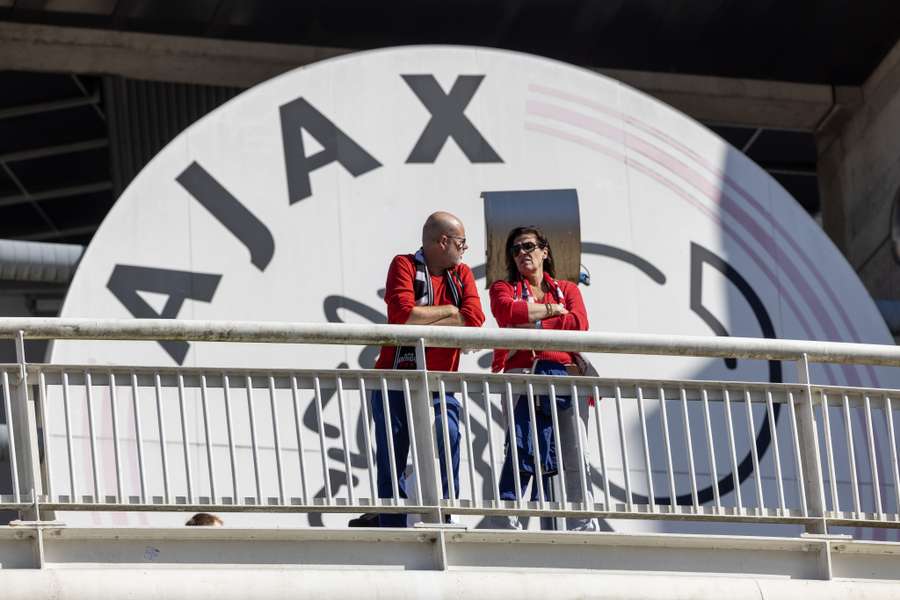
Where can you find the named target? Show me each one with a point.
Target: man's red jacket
(400, 299)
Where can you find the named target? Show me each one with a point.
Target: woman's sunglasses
(527, 247)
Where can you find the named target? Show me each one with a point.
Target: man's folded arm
(401, 299)
(434, 315)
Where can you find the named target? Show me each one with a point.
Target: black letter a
(336, 146)
(127, 280)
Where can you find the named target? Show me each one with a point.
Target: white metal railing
(285, 440)
(678, 464)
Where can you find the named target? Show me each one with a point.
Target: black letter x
(448, 120)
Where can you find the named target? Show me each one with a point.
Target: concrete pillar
(859, 175)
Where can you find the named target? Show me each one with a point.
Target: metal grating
(54, 175)
(144, 116)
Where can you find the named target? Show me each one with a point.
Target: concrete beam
(859, 177)
(152, 57)
(737, 102)
(740, 102)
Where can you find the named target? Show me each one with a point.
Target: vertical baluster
(184, 440)
(538, 468)
(48, 458)
(889, 421)
(254, 446)
(670, 470)
(65, 379)
(711, 450)
(751, 431)
(229, 424)
(367, 437)
(733, 453)
(554, 419)
(810, 458)
(13, 463)
(320, 417)
(139, 438)
(651, 500)
(390, 439)
(623, 443)
(25, 420)
(603, 464)
(695, 502)
(301, 451)
(582, 446)
(770, 411)
(445, 433)
(279, 468)
(157, 386)
(206, 433)
(795, 438)
(489, 427)
(512, 443)
(829, 454)
(848, 430)
(114, 413)
(407, 406)
(92, 433)
(339, 384)
(476, 501)
(873, 465)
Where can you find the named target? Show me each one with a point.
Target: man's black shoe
(364, 520)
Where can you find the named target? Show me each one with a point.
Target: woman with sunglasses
(531, 297)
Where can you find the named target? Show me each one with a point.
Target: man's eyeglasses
(460, 241)
(527, 247)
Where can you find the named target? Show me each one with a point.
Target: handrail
(465, 337)
(80, 450)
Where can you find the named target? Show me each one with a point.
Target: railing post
(808, 438)
(426, 446)
(24, 422)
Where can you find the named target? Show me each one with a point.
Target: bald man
(430, 287)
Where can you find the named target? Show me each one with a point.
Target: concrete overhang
(155, 57)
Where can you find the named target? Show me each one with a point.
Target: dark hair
(512, 271)
(203, 520)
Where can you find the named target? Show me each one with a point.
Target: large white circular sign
(288, 203)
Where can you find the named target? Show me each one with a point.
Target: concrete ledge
(446, 550)
(277, 583)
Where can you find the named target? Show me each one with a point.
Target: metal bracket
(20, 355)
(38, 524)
(828, 536)
(442, 526)
(826, 568)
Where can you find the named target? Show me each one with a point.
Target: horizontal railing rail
(451, 337)
(122, 437)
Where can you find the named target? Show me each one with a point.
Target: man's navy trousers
(400, 433)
